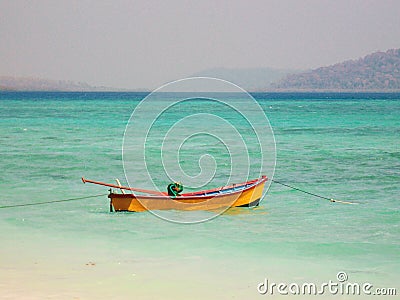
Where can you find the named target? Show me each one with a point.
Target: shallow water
(344, 146)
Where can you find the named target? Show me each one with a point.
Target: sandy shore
(32, 274)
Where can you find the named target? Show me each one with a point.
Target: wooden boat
(245, 194)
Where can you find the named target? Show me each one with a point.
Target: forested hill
(379, 71)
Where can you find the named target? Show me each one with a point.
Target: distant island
(376, 72)
(9, 83)
(379, 71)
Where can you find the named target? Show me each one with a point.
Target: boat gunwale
(207, 194)
(227, 187)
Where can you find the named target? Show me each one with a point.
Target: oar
(84, 180)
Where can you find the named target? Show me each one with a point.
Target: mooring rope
(54, 201)
(101, 195)
(312, 194)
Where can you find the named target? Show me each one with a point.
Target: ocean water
(342, 146)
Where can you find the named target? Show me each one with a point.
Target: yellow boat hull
(247, 197)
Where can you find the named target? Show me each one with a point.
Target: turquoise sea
(342, 146)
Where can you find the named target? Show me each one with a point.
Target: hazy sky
(146, 43)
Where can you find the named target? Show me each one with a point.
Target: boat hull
(217, 199)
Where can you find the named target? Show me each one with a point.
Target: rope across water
(54, 201)
(312, 194)
(100, 195)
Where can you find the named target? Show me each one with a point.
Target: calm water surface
(344, 146)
